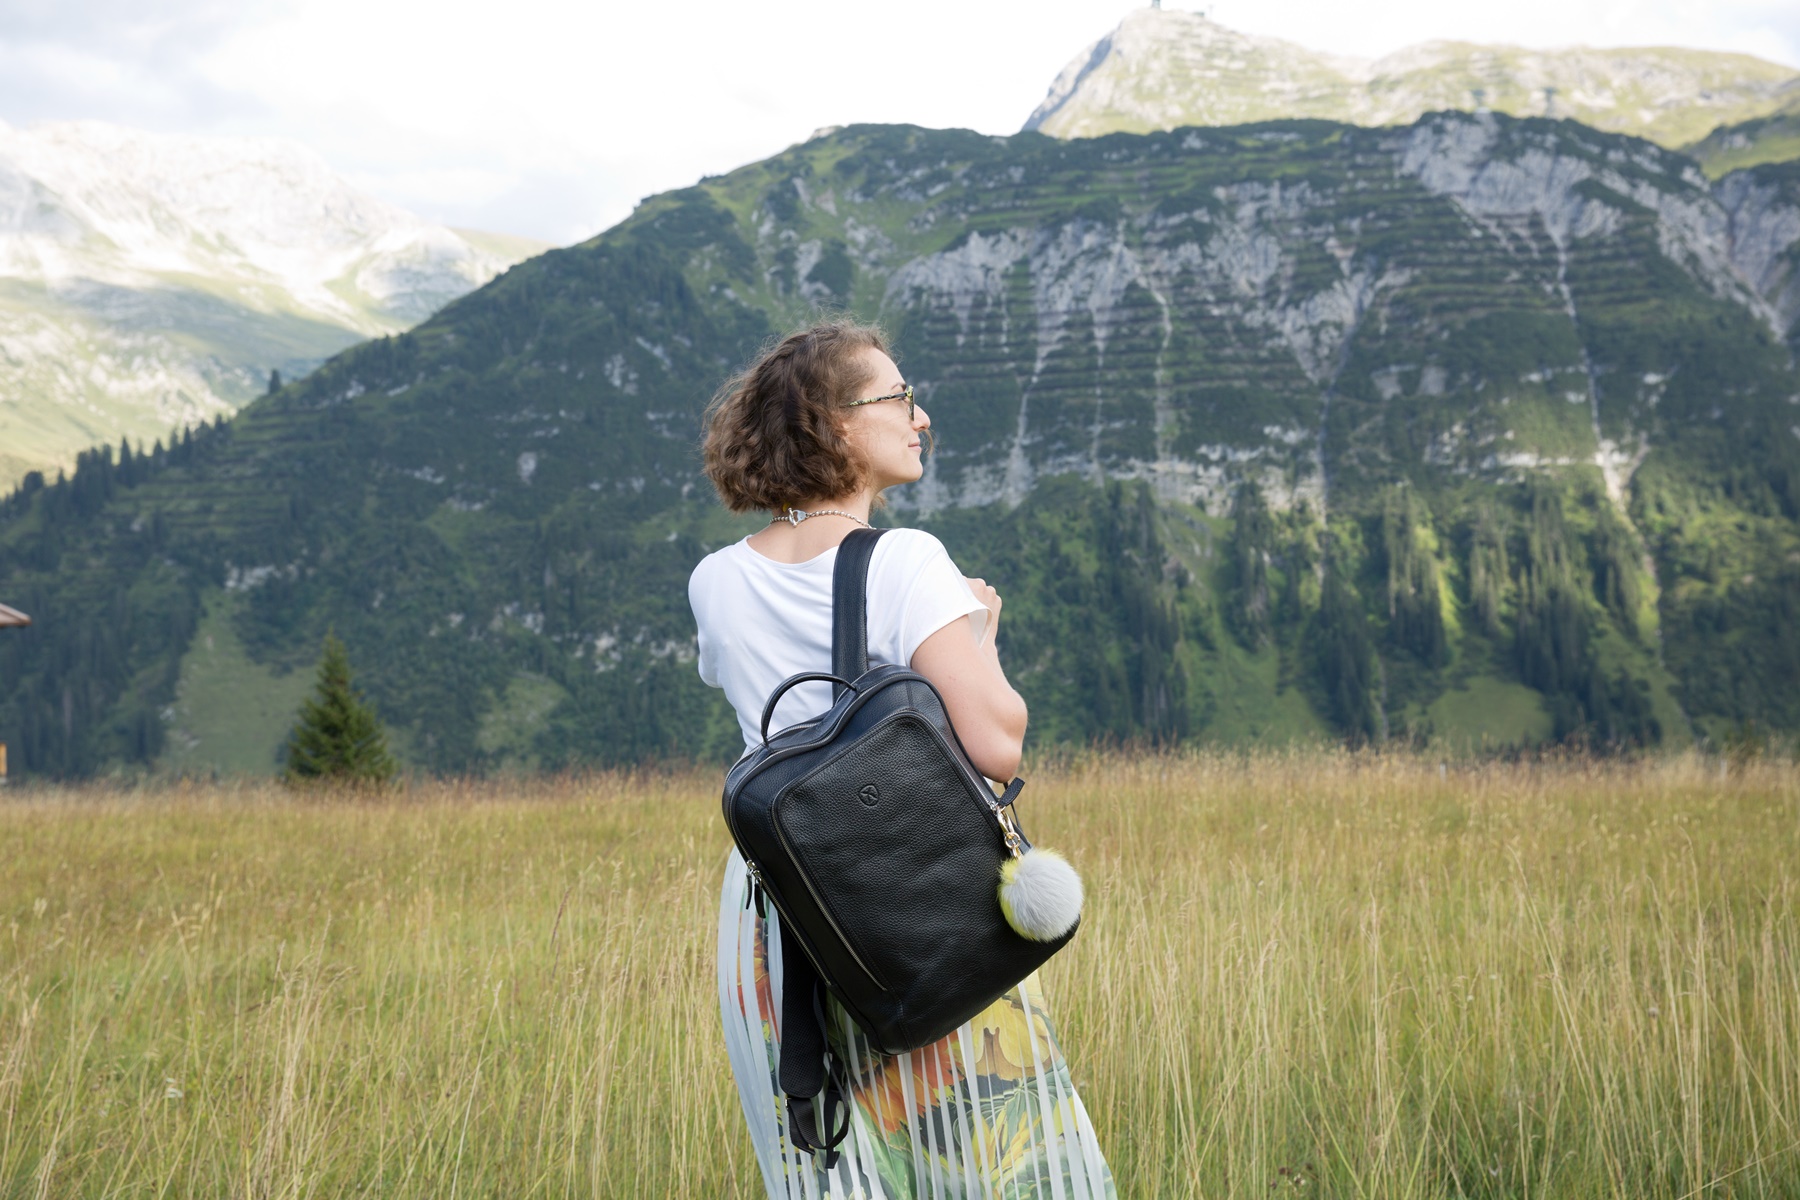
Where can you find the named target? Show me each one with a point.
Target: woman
(812, 433)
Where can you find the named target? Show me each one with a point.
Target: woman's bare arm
(965, 668)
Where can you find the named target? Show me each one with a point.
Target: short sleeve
(934, 590)
(706, 653)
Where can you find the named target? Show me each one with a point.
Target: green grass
(1486, 713)
(231, 714)
(1253, 708)
(1347, 976)
(508, 727)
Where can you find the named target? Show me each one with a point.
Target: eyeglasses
(905, 393)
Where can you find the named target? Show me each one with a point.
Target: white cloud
(552, 119)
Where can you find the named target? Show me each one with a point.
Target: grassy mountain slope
(1773, 138)
(87, 366)
(1165, 69)
(150, 281)
(1470, 431)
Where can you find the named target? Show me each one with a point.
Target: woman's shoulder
(718, 557)
(722, 563)
(911, 553)
(910, 544)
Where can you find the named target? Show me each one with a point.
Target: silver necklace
(794, 516)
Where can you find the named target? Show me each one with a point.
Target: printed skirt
(989, 1111)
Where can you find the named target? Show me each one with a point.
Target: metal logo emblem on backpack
(896, 907)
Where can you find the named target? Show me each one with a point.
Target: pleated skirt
(989, 1111)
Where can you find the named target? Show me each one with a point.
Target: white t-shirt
(762, 621)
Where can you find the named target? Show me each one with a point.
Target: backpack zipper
(758, 892)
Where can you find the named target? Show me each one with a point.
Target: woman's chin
(905, 474)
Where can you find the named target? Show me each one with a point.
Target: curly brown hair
(775, 431)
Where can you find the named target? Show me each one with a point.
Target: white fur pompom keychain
(1040, 895)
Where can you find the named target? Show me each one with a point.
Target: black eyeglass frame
(905, 393)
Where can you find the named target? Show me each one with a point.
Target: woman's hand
(990, 599)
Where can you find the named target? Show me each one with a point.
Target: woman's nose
(921, 418)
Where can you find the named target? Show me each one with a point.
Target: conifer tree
(338, 738)
(1252, 536)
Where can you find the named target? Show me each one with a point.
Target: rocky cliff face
(1199, 335)
(1762, 206)
(1478, 427)
(150, 281)
(1163, 70)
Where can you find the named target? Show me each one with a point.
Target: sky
(552, 119)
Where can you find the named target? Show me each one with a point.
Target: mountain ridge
(1161, 69)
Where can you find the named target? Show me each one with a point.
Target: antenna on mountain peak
(1479, 95)
(1550, 102)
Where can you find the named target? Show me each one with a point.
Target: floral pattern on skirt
(988, 1111)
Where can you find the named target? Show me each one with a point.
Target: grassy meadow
(1309, 974)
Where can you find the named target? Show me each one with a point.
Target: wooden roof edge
(12, 616)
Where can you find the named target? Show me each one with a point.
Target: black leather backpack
(881, 847)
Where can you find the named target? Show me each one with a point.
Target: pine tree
(1252, 535)
(1415, 615)
(1488, 571)
(338, 738)
(1345, 657)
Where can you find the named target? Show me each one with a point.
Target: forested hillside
(1479, 430)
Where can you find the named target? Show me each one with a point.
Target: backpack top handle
(778, 693)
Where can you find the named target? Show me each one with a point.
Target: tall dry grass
(1338, 975)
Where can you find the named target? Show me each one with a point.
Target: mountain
(1770, 139)
(1474, 431)
(150, 281)
(1162, 70)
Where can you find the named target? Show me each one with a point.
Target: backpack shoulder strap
(806, 1069)
(850, 605)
